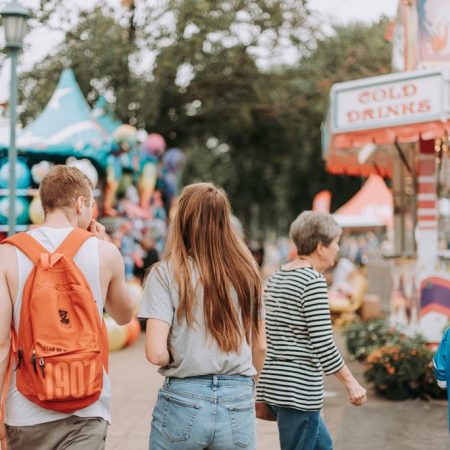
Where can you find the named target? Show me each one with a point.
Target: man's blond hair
(62, 186)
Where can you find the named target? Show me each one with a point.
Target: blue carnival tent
(102, 114)
(65, 128)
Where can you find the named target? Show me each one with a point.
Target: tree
(351, 52)
(98, 50)
(252, 127)
(205, 87)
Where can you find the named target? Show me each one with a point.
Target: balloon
(155, 144)
(117, 334)
(85, 166)
(36, 212)
(141, 135)
(170, 184)
(174, 160)
(135, 289)
(148, 177)
(21, 210)
(126, 136)
(147, 183)
(133, 331)
(23, 174)
(38, 171)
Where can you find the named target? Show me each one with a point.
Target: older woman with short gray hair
(300, 338)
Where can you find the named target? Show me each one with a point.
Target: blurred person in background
(257, 249)
(300, 338)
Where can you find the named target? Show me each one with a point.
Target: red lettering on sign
(352, 116)
(381, 94)
(364, 97)
(392, 110)
(424, 106)
(408, 108)
(409, 90)
(368, 114)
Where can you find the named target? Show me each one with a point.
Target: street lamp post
(14, 19)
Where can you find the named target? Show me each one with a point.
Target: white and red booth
(397, 126)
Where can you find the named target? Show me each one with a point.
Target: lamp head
(14, 19)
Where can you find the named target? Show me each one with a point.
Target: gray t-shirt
(194, 353)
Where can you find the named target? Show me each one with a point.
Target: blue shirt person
(441, 363)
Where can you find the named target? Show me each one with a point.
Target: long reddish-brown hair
(201, 233)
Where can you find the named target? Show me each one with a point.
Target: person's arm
(119, 303)
(156, 336)
(6, 308)
(259, 349)
(440, 360)
(157, 308)
(317, 315)
(356, 393)
(314, 302)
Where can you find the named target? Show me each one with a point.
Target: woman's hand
(356, 393)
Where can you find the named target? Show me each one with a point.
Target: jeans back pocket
(178, 417)
(243, 423)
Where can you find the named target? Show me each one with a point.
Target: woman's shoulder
(162, 271)
(293, 279)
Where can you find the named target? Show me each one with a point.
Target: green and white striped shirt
(300, 340)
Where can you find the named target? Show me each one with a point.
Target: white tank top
(19, 410)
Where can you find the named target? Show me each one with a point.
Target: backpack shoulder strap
(27, 245)
(9, 366)
(73, 242)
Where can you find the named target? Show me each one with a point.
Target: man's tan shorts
(74, 433)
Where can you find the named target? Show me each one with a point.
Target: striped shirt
(300, 340)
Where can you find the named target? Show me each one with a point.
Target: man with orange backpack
(55, 281)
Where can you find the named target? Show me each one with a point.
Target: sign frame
(442, 115)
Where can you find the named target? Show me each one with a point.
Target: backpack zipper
(19, 359)
(42, 366)
(33, 361)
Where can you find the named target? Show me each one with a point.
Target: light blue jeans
(214, 412)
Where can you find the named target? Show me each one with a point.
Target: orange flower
(390, 370)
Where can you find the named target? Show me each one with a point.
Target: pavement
(378, 425)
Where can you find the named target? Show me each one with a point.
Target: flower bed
(399, 367)
(403, 370)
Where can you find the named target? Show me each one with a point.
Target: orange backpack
(61, 346)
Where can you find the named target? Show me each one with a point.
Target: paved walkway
(379, 425)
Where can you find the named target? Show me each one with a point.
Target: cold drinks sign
(390, 100)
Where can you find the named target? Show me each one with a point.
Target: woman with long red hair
(205, 329)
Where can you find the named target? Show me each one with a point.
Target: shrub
(361, 338)
(403, 370)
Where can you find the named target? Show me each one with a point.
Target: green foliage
(97, 50)
(403, 370)
(254, 130)
(361, 338)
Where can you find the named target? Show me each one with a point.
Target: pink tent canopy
(371, 206)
